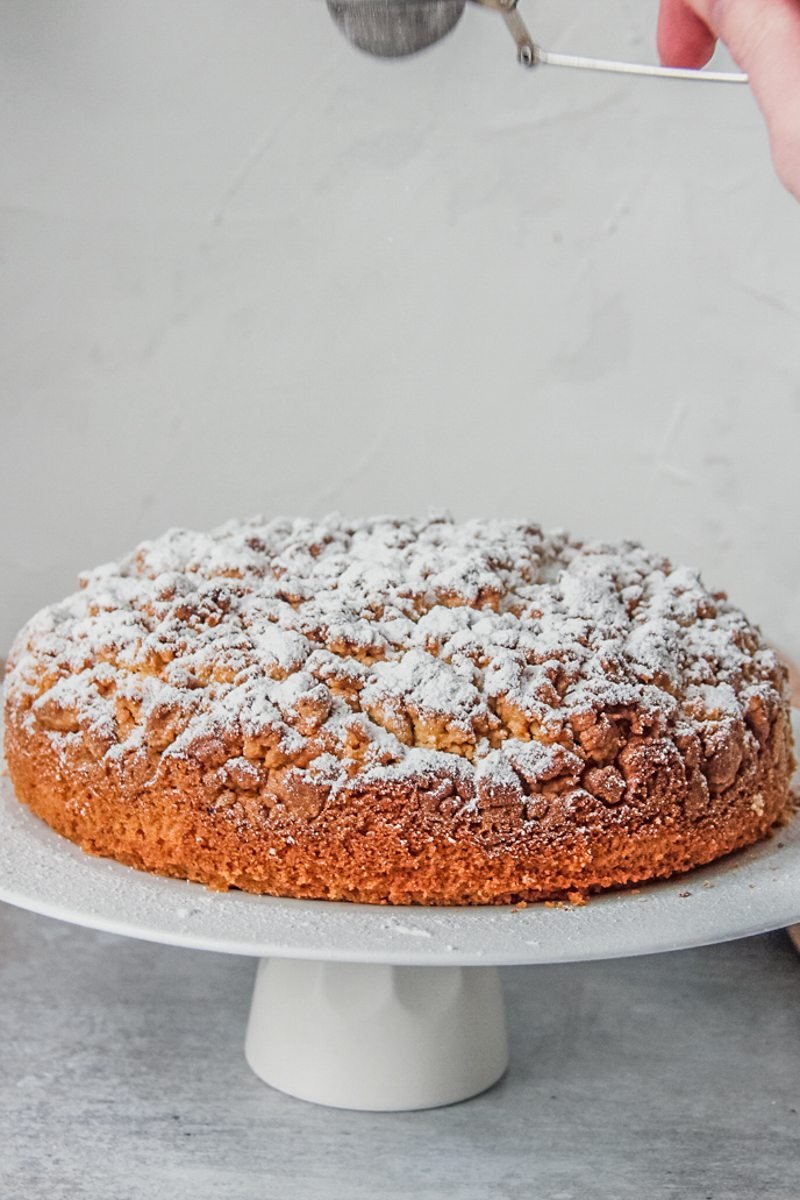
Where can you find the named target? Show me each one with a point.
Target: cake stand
(385, 1008)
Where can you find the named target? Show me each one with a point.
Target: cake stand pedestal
(376, 1036)
(381, 1008)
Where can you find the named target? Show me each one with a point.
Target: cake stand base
(374, 1036)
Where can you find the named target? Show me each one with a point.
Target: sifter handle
(547, 58)
(532, 55)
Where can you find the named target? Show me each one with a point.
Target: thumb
(684, 39)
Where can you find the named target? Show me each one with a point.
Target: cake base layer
(400, 843)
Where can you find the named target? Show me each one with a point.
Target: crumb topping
(322, 653)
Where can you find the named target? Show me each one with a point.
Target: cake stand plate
(374, 1007)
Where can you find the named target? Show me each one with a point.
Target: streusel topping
(385, 648)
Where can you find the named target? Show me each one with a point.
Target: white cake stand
(385, 1008)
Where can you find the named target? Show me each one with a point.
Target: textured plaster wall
(243, 268)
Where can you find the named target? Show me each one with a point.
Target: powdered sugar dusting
(384, 649)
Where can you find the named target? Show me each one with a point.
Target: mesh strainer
(395, 28)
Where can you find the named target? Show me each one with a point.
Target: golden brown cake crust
(399, 711)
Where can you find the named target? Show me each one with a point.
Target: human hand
(764, 38)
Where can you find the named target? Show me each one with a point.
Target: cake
(399, 711)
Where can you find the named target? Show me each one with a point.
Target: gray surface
(122, 1075)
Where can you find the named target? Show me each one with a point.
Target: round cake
(399, 711)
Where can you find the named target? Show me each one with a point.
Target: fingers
(764, 38)
(684, 39)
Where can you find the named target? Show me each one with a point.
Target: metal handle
(532, 55)
(546, 58)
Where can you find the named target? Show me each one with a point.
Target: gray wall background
(246, 269)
